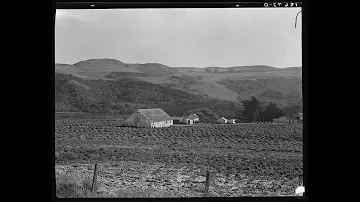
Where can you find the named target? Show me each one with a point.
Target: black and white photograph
(179, 102)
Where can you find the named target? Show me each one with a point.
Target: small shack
(222, 120)
(149, 118)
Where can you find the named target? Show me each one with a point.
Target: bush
(67, 188)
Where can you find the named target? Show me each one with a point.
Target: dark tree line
(254, 110)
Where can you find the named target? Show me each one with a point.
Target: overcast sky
(181, 37)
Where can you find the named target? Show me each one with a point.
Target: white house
(222, 120)
(149, 118)
(194, 118)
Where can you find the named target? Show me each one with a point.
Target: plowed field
(245, 159)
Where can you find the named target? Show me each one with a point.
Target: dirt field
(245, 159)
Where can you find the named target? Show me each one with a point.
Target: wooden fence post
(207, 183)
(94, 183)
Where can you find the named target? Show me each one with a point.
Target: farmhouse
(194, 118)
(222, 120)
(149, 118)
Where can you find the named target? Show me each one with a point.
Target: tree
(251, 109)
(272, 111)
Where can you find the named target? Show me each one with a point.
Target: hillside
(117, 75)
(104, 96)
(283, 91)
(229, 84)
(156, 69)
(95, 68)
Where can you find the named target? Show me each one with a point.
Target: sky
(197, 37)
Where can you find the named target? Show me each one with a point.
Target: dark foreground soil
(245, 160)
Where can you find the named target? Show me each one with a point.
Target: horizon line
(178, 65)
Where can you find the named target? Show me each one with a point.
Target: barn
(149, 118)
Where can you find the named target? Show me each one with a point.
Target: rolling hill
(280, 85)
(97, 68)
(106, 96)
(156, 69)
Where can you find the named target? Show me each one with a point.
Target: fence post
(207, 183)
(94, 183)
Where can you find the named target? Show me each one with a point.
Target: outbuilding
(222, 120)
(149, 118)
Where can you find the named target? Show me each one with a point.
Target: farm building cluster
(296, 118)
(157, 118)
(224, 120)
(191, 119)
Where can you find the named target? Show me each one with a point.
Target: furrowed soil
(244, 159)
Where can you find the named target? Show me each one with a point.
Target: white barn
(149, 118)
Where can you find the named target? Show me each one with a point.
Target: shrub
(67, 188)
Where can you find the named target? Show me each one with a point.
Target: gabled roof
(193, 116)
(155, 115)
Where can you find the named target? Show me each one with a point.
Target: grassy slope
(95, 67)
(72, 93)
(156, 69)
(213, 89)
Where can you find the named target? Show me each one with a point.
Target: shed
(149, 118)
(222, 120)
